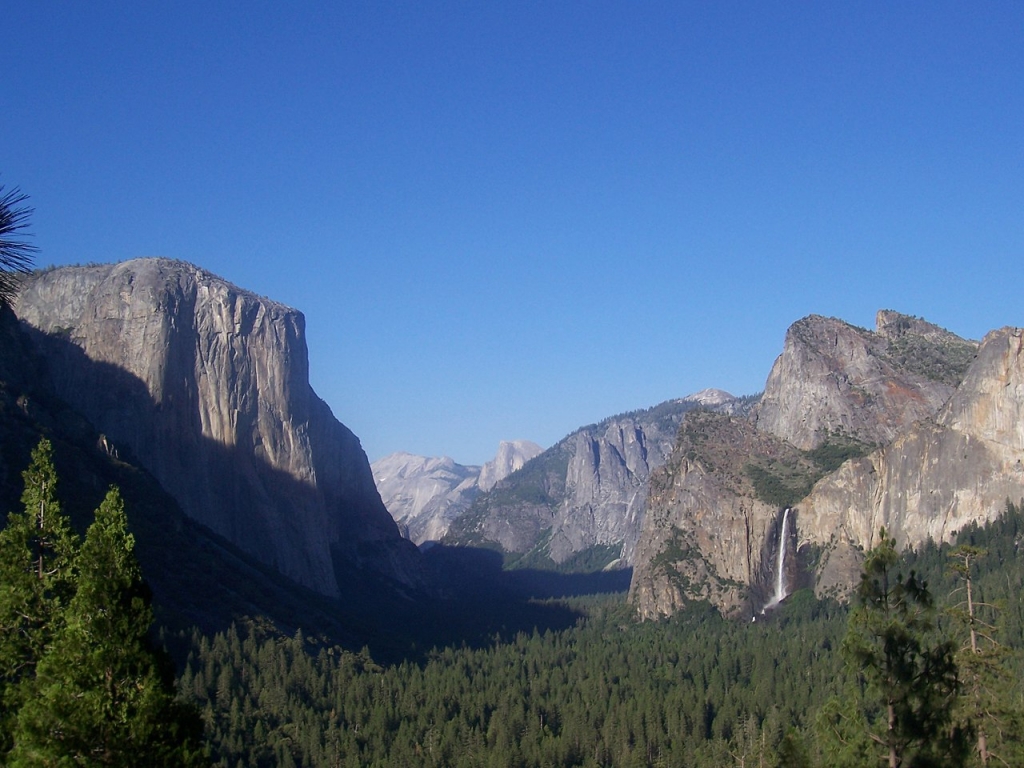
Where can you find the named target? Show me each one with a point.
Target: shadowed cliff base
(200, 579)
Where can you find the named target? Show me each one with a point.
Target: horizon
(509, 221)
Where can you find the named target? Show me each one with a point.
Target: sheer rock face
(835, 378)
(939, 475)
(941, 464)
(424, 495)
(207, 385)
(606, 487)
(588, 490)
(706, 535)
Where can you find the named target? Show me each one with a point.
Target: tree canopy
(83, 684)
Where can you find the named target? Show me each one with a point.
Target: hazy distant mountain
(511, 456)
(424, 495)
(580, 504)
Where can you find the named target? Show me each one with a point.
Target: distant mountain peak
(511, 456)
(710, 397)
(425, 494)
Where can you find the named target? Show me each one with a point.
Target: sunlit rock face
(207, 386)
(834, 378)
(606, 486)
(939, 421)
(426, 494)
(941, 474)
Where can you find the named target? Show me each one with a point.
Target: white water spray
(780, 570)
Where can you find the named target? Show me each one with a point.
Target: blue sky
(507, 220)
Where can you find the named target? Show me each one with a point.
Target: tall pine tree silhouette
(102, 696)
(37, 553)
(908, 674)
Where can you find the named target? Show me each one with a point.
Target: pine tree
(909, 676)
(102, 696)
(37, 551)
(986, 701)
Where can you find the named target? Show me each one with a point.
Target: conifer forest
(921, 668)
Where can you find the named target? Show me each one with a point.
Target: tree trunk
(894, 758)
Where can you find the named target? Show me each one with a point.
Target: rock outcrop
(929, 425)
(424, 495)
(939, 475)
(835, 379)
(206, 385)
(587, 493)
(707, 536)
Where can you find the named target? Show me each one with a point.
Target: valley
(669, 586)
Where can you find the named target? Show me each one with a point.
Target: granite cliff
(707, 535)
(833, 378)
(581, 503)
(908, 426)
(206, 385)
(424, 495)
(959, 467)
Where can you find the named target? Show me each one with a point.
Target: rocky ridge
(584, 498)
(206, 385)
(909, 427)
(833, 378)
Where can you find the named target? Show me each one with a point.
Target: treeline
(923, 670)
(608, 692)
(696, 690)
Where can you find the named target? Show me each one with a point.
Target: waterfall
(780, 568)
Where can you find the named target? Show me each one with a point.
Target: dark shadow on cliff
(199, 578)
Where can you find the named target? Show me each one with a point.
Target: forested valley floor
(695, 690)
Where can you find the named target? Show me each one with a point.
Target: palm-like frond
(16, 255)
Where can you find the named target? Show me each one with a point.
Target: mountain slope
(580, 504)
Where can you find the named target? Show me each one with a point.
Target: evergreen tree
(101, 696)
(37, 551)
(986, 700)
(908, 675)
